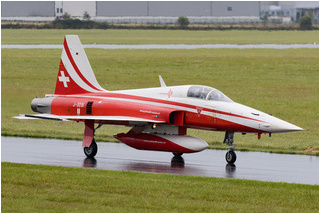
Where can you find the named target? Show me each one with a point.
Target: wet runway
(117, 156)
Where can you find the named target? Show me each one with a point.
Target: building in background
(290, 11)
(168, 11)
(177, 8)
(304, 8)
(31, 10)
(75, 8)
(161, 11)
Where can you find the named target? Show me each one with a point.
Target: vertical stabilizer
(75, 74)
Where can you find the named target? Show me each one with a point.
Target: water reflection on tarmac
(209, 163)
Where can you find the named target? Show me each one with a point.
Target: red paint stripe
(189, 106)
(119, 108)
(124, 96)
(236, 127)
(76, 67)
(133, 97)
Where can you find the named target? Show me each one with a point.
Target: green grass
(31, 36)
(284, 83)
(32, 188)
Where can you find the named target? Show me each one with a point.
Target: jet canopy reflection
(207, 93)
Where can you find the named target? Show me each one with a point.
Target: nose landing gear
(230, 155)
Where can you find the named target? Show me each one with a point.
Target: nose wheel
(230, 155)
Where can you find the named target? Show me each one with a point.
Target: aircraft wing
(40, 116)
(103, 118)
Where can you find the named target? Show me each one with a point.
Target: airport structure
(161, 11)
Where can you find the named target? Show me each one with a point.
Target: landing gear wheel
(231, 157)
(177, 154)
(92, 150)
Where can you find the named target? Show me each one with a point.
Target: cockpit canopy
(207, 93)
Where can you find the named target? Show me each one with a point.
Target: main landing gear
(177, 160)
(230, 155)
(92, 150)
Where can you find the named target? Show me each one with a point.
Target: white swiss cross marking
(64, 79)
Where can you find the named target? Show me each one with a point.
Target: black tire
(177, 162)
(177, 154)
(231, 157)
(92, 150)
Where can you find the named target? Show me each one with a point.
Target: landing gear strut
(90, 151)
(231, 155)
(177, 154)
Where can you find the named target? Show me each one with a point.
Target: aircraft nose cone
(283, 126)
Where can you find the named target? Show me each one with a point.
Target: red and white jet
(159, 117)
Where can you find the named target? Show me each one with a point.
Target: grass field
(32, 188)
(280, 82)
(30, 36)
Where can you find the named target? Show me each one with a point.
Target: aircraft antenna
(162, 83)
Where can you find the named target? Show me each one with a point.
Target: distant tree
(305, 22)
(265, 18)
(86, 16)
(66, 16)
(183, 21)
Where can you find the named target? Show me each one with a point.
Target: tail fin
(75, 74)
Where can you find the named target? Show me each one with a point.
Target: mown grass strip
(32, 188)
(51, 36)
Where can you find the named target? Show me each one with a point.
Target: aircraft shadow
(177, 166)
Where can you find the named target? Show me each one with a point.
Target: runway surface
(117, 156)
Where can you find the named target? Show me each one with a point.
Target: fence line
(145, 20)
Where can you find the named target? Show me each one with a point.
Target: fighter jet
(159, 117)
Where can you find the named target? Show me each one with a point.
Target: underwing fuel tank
(161, 142)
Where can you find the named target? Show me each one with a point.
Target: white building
(75, 8)
(99, 10)
(293, 10)
(163, 11)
